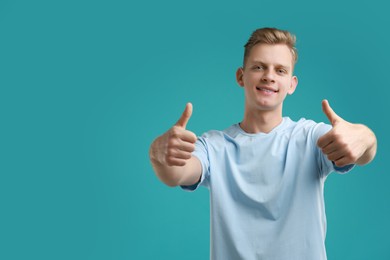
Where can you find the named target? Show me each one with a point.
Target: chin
(267, 107)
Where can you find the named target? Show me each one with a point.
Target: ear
(239, 76)
(293, 86)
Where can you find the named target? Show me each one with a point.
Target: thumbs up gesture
(346, 143)
(174, 148)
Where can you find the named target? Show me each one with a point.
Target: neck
(261, 121)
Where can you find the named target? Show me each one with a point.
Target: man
(266, 174)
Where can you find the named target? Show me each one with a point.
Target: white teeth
(266, 90)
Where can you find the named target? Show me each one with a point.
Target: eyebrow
(276, 65)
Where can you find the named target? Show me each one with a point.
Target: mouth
(267, 90)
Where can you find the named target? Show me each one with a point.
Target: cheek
(250, 80)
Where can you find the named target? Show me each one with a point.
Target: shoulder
(215, 135)
(218, 138)
(306, 126)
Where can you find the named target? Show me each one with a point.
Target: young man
(266, 174)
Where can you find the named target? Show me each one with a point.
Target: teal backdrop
(85, 86)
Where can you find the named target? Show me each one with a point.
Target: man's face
(267, 77)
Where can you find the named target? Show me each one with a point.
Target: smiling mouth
(267, 90)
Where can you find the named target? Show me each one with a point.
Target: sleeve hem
(344, 169)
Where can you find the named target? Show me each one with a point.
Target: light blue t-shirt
(266, 191)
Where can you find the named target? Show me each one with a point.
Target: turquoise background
(85, 86)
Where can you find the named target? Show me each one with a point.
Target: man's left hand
(346, 143)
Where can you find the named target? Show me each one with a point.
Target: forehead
(271, 54)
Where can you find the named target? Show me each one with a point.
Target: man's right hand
(174, 147)
(170, 154)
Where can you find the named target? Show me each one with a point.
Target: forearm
(176, 175)
(173, 175)
(371, 143)
(170, 175)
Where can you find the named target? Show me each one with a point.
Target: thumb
(185, 117)
(330, 114)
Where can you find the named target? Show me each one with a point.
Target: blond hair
(271, 36)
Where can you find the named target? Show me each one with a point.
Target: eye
(258, 67)
(282, 71)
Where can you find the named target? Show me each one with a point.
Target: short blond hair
(271, 36)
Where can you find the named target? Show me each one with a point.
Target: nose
(268, 76)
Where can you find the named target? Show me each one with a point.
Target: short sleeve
(201, 152)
